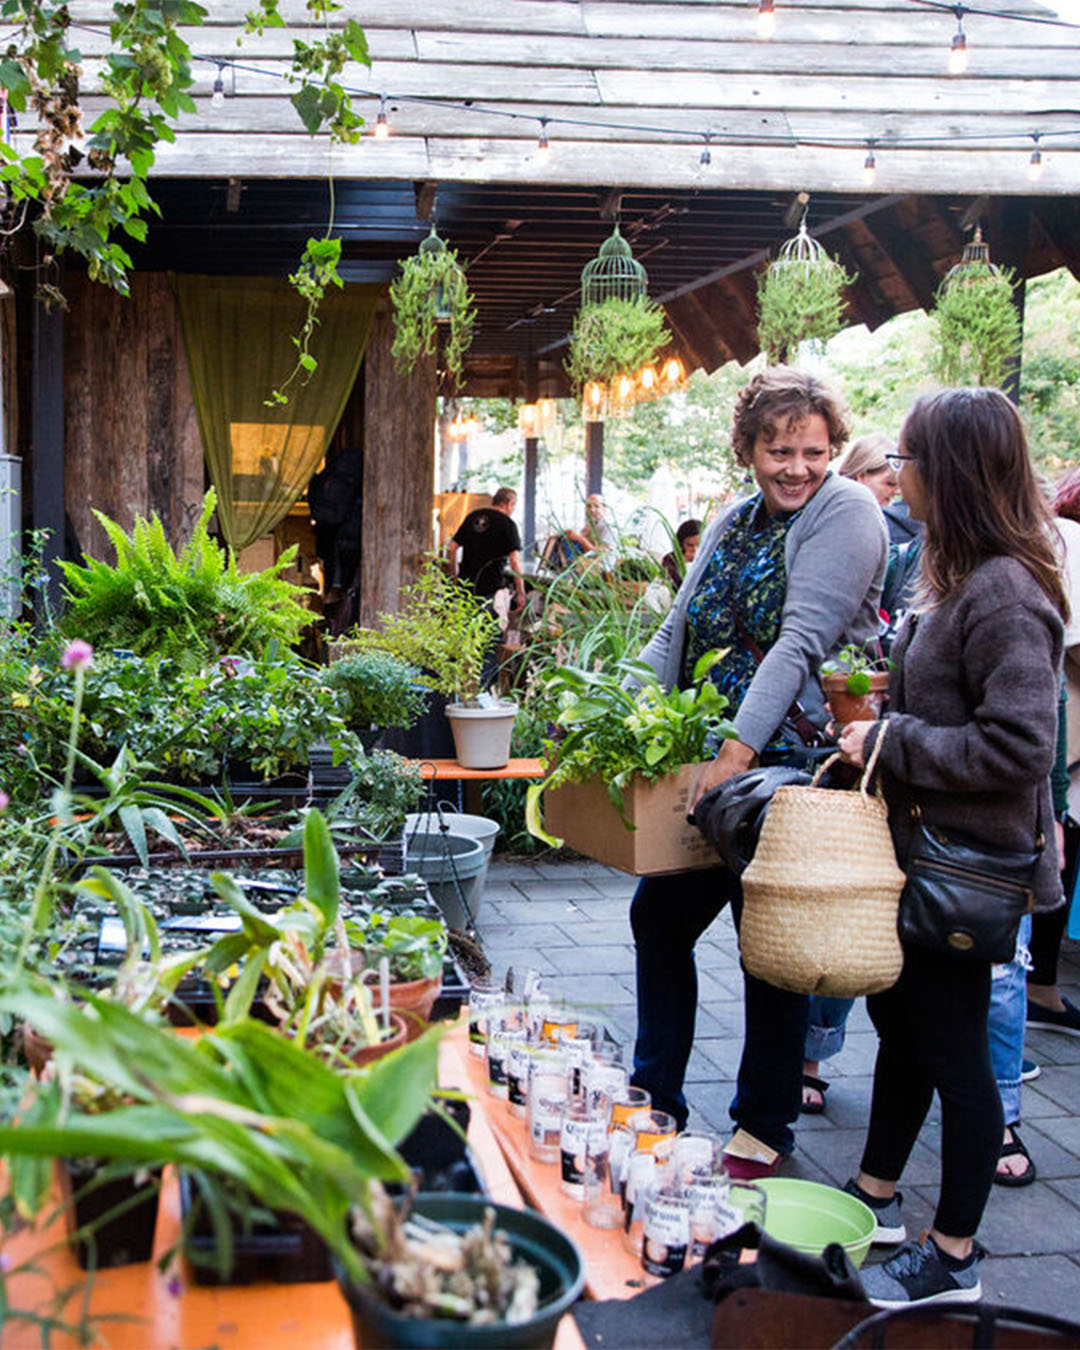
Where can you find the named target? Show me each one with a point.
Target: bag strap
(871, 763)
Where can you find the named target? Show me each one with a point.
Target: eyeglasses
(895, 462)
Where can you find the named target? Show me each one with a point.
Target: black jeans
(668, 915)
(932, 1025)
(1047, 930)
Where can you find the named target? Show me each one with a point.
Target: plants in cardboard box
(614, 732)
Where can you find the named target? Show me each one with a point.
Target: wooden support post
(594, 458)
(532, 459)
(47, 440)
(1010, 219)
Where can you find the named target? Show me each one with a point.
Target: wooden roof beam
(698, 332)
(1049, 215)
(732, 340)
(912, 266)
(865, 299)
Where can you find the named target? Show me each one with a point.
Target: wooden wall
(131, 438)
(399, 473)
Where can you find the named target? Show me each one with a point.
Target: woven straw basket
(822, 892)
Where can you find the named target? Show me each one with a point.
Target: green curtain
(238, 337)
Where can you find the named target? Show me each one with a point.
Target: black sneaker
(1029, 1070)
(1049, 1019)
(890, 1224)
(918, 1274)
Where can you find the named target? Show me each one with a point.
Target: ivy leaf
(308, 105)
(13, 78)
(355, 42)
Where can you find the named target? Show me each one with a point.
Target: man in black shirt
(489, 541)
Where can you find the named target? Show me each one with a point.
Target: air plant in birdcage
(800, 297)
(976, 321)
(432, 296)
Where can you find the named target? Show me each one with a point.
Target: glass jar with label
(484, 996)
(626, 1101)
(559, 1021)
(601, 1202)
(605, 1080)
(639, 1177)
(666, 1231)
(498, 1058)
(518, 1063)
(581, 1123)
(549, 1101)
(697, 1155)
(652, 1128)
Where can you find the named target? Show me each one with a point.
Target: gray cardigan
(973, 718)
(835, 556)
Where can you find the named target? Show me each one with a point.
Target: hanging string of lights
(543, 149)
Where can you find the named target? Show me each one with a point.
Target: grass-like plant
(189, 606)
(800, 300)
(977, 325)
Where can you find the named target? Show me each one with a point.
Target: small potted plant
(451, 633)
(855, 684)
(377, 690)
(432, 294)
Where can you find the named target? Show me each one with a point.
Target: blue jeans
(668, 915)
(1008, 1016)
(828, 1020)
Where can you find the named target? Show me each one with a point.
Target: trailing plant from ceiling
(977, 325)
(800, 297)
(614, 337)
(432, 293)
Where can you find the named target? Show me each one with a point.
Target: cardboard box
(583, 816)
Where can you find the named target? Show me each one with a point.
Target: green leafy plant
(431, 291)
(858, 664)
(414, 944)
(189, 606)
(800, 300)
(377, 690)
(613, 337)
(977, 325)
(444, 628)
(614, 733)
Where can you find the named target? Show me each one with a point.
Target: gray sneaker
(890, 1223)
(917, 1274)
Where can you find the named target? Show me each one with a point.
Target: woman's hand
(852, 743)
(734, 757)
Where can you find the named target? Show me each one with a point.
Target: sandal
(1015, 1149)
(812, 1084)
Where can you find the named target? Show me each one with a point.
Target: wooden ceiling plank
(900, 246)
(1062, 233)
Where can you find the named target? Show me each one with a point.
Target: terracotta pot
(37, 1048)
(847, 707)
(367, 1054)
(414, 999)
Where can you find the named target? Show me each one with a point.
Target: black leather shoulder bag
(964, 897)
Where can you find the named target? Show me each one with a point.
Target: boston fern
(978, 325)
(615, 733)
(189, 606)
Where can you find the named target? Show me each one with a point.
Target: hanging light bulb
(705, 159)
(547, 411)
(621, 396)
(594, 401)
(672, 375)
(869, 168)
(766, 18)
(648, 384)
(457, 430)
(217, 97)
(543, 148)
(382, 126)
(958, 52)
(529, 419)
(1035, 164)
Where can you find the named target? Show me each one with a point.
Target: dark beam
(532, 458)
(47, 444)
(594, 458)
(865, 299)
(1065, 240)
(610, 204)
(912, 265)
(424, 193)
(1009, 220)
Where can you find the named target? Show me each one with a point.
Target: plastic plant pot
(120, 1240)
(808, 1216)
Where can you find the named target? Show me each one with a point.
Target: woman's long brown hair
(983, 500)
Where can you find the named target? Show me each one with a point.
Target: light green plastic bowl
(808, 1216)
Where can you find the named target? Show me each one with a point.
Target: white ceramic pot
(482, 735)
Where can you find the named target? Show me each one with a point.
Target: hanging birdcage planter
(432, 295)
(613, 274)
(800, 297)
(976, 322)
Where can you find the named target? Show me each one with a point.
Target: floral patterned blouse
(740, 596)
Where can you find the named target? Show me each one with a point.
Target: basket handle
(871, 763)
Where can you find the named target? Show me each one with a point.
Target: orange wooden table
(157, 1310)
(450, 769)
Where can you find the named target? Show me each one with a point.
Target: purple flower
(174, 1286)
(4, 800)
(77, 655)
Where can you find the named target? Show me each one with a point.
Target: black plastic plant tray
(290, 1252)
(454, 993)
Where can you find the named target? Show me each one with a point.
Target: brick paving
(569, 920)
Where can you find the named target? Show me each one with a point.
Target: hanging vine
(800, 297)
(615, 336)
(432, 292)
(977, 325)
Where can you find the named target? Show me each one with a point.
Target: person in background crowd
(675, 563)
(972, 736)
(781, 580)
(489, 543)
(868, 460)
(597, 530)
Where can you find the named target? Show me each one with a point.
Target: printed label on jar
(575, 1134)
(517, 1075)
(546, 1130)
(666, 1236)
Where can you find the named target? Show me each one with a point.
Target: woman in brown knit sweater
(972, 735)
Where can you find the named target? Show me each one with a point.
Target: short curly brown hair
(775, 398)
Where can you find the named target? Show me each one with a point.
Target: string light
(869, 168)
(705, 159)
(766, 18)
(382, 126)
(1035, 164)
(958, 52)
(543, 148)
(217, 97)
